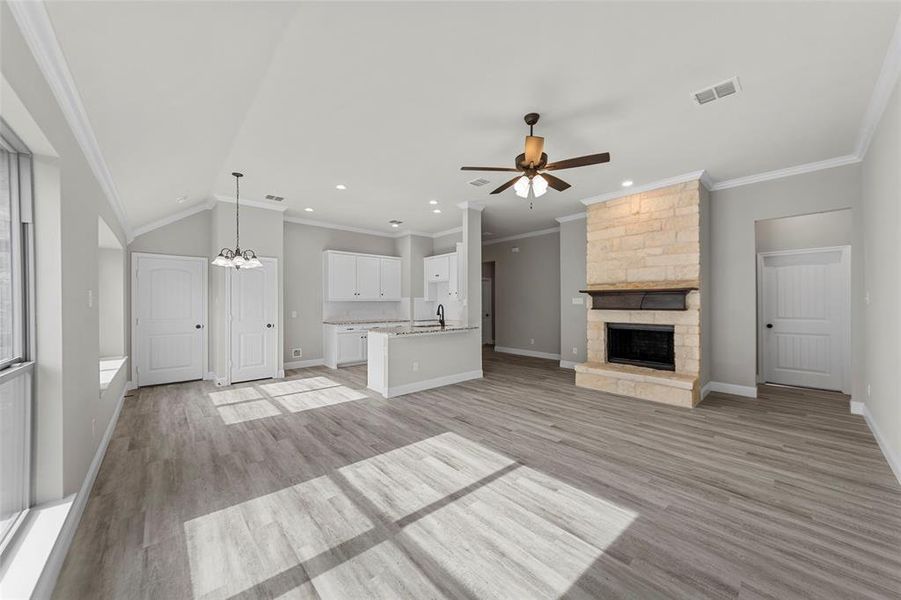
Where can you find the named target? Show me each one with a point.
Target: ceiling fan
(534, 166)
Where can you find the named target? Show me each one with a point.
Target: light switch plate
(578, 301)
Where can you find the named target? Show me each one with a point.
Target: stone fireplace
(644, 278)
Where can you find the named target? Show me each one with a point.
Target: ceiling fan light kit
(533, 165)
(237, 258)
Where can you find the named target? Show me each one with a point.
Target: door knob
(769, 325)
(198, 326)
(268, 325)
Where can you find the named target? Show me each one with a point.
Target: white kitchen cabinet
(351, 347)
(361, 277)
(390, 278)
(342, 276)
(437, 268)
(452, 278)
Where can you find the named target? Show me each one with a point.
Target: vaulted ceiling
(391, 99)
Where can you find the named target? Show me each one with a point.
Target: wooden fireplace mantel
(647, 295)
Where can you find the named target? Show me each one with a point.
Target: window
(15, 366)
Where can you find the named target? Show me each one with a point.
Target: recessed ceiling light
(181, 199)
(340, 186)
(436, 211)
(627, 183)
(433, 202)
(395, 223)
(308, 209)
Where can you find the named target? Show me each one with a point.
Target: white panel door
(254, 322)
(342, 277)
(170, 318)
(368, 287)
(805, 312)
(390, 278)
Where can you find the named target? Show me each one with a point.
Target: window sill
(31, 548)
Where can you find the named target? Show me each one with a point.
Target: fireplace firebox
(642, 345)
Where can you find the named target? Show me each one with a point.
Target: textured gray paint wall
(573, 317)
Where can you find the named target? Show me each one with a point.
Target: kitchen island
(412, 358)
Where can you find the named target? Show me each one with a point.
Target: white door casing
(253, 308)
(169, 305)
(805, 317)
(487, 320)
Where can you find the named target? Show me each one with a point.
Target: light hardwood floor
(516, 486)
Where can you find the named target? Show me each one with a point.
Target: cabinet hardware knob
(268, 325)
(198, 326)
(769, 325)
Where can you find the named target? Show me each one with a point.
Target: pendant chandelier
(237, 258)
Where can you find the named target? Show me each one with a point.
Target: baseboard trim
(532, 353)
(303, 364)
(568, 364)
(856, 407)
(893, 460)
(428, 384)
(47, 580)
(748, 391)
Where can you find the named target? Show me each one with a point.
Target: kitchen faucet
(440, 314)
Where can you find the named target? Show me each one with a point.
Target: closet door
(254, 322)
(169, 317)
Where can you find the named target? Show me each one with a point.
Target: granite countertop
(421, 330)
(365, 321)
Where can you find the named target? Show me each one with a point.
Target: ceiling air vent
(276, 198)
(717, 92)
(479, 182)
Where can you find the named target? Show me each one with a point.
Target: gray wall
(705, 288)
(70, 416)
(304, 245)
(446, 243)
(732, 300)
(880, 230)
(573, 317)
(527, 292)
(819, 230)
(111, 301)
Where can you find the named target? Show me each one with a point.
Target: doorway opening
(110, 303)
(804, 301)
(488, 305)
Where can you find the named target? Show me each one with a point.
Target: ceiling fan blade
(582, 161)
(489, 169)
(555, 182)
(534, 148)
(506, 185)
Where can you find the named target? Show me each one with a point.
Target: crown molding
(36, 28)
(326, 225)
(520, 236)
(183, 214)
(254, 203)
(660, 183)
(882, 92)
(568, 218)
(445, 232)
(831, 163)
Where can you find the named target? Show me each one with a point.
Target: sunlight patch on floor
(319, 398)
(234, 395)
(484, 523)
(236, 548)
(292, 386)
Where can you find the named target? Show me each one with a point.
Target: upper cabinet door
(342, 277)
(452, 280)
(437, 268)
(368, 287)
(390, 278)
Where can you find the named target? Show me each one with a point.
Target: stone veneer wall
(646, 240)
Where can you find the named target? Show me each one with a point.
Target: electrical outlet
(90, 298)
(293, 314)
(578, 301)
(415, 365)
(866, 297)
(93, 428)
(575, 350)
(297, 353)
(532, 341)
(868, 391)
(515, 249)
